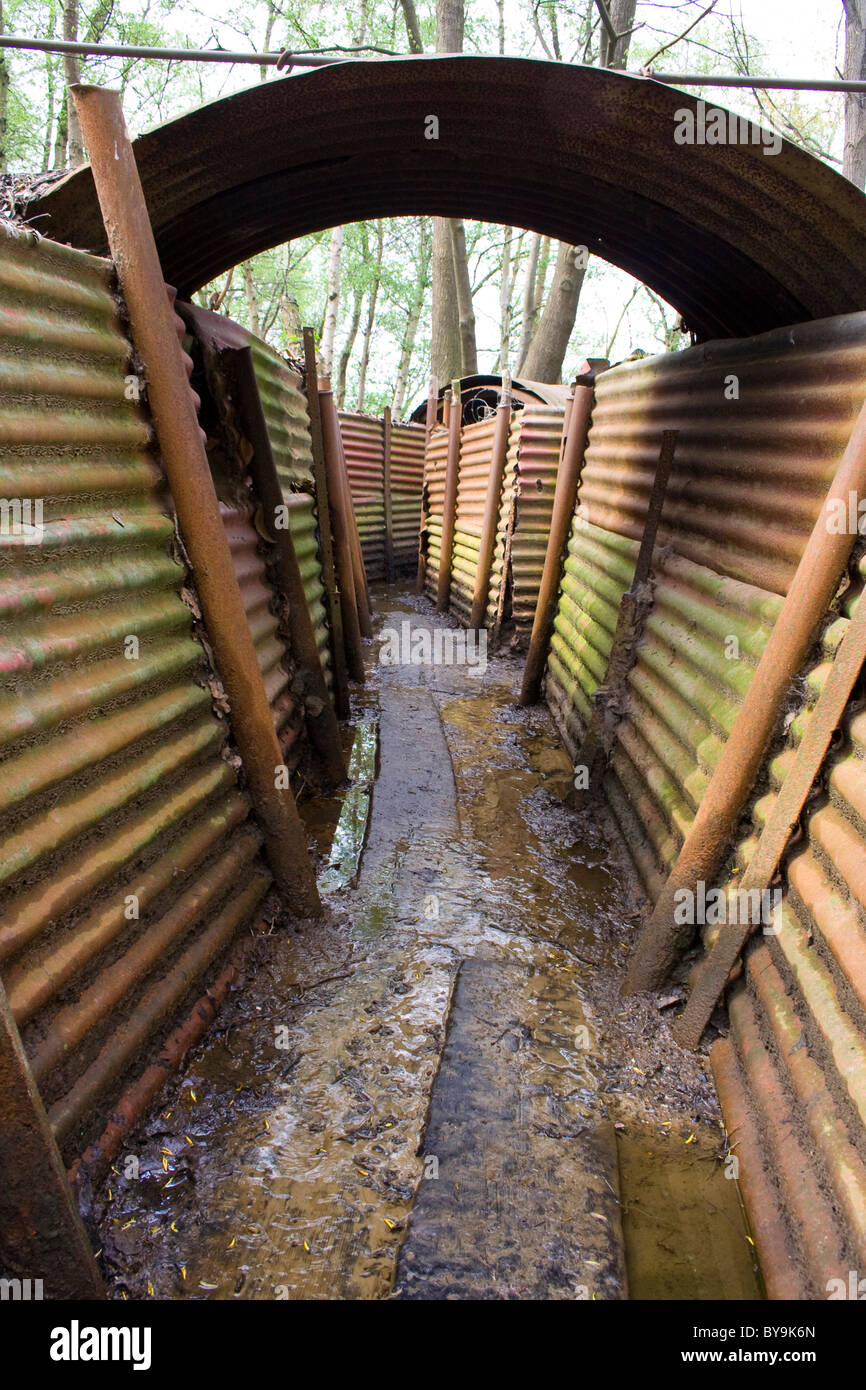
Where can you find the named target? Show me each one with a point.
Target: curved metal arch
(737, 239)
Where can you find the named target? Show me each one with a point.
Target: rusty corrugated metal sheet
(130, 862)
(476, 448)
(772, 450)
(258, 597)
(535, 484)
(737, 242)
(364, 448)
(407, 480)
(435, 460)
(288, 424)
(794, 1067)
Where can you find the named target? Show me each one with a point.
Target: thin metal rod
(302, 60)
(136, 261)
(783, 84)
(171, 55)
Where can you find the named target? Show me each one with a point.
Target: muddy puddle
(438, 1092)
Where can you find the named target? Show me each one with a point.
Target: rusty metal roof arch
(736, 239)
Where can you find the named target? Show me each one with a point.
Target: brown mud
(439, 1092)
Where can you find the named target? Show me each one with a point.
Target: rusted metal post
(634, 606)
(386, 487)
(133, 249)
(449, 506)
(430, 425)
(362, 597)
(42, 1236)
(342, 544)
(326, 541)
(319, 713)
(564, 498)
(487, 543)
(811, 590)
(810, 755)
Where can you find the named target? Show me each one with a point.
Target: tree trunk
(506, 291)
(346, 354)
(290, 318)
(445, 331)
(371, 317)
(254, 322)
(854, 157)
(615, 55)
(547, 350)
(413, 28)
(529, 309)
(466, 312)
(422, 281)
(72, 71)
(329, 327)
(447, 354)
(4, 101)
(449, 26)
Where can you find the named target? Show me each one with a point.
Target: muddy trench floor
(438, 1091)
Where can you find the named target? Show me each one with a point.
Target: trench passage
(439, 1092)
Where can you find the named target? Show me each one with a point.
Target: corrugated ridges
(364, 449)
(289, 432)
(115, 800)
(435, 460)
(407, 479)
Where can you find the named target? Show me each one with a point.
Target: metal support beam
(42, 1235)
(487, 544)
(823, 721)
(133, 249)
(449, 505)
(567, 478)
(326, 540)
(809, 596)
(387, 435)
(340, 525)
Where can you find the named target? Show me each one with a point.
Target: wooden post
(576, 423)
(326, 541)
(386, 485)
(449, 506)
(430, 425)
(342, 543)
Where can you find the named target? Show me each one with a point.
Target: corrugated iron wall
(130, 861)
(364, 449)
(528, 488)
(407, 480)
(792, 1074)
(476, 448)
(762, 425)
(435, 459)
(288, 425)
(258, 595)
